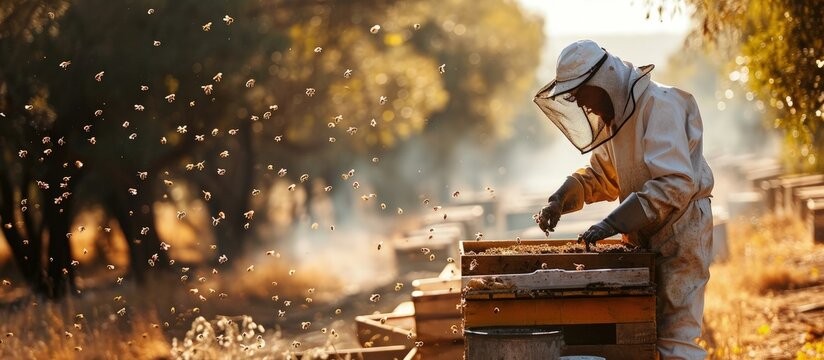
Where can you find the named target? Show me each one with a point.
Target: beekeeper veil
(593, 95)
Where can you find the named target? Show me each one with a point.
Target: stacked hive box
(438, 316)
(598, 316)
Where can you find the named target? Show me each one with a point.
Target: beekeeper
(646, 145)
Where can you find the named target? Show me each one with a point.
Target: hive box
(600, 319)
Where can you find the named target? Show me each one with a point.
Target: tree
(123, 105)
(775, 48)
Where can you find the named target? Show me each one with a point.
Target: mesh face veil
(587, 129)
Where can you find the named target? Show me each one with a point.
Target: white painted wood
(566, 279)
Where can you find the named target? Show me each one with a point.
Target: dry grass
(57, 331)
(158, 312)
(749, 310)
(277, 278)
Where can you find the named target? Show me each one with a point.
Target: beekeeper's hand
(568, 198)
(549, 216)
(599, 231)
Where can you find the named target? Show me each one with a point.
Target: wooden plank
(450, 271)
(374, 353)
(412, 355)
(816, 219)
(438, 303)
(385, 329)
(613, 352)
(447, 350)
(475, 264)
(559, 311)
(438, 329)
(635, 333)
(430, 284)
(532, 294)
(563, 279)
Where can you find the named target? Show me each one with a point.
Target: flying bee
(99, 76)
(304, 178)
(139, 107)
(282, 172)
(375, 29)
(291, 187)
(228, 20)
(318, 50)
(144, 88)
(170, 98)
(310, 92)
(207, 26)
(65, 64)
(218, 77)
(250, 83)
(347, 74)
(442, 68)
(382, 100)
(207, 89)
(156, 43)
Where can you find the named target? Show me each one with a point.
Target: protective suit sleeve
(599, 179)
(667, 156)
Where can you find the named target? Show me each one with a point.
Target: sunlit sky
(620, 26)
(591, 17)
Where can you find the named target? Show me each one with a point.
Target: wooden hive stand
(604, 303)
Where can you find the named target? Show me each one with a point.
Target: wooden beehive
(386, 329)
(598, 316)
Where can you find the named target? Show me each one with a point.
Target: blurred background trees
(775, 53)
(123, 107)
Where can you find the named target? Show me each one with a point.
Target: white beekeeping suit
(646, 143)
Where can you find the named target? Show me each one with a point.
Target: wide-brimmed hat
(576, 64)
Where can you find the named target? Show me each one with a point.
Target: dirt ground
(766, 301)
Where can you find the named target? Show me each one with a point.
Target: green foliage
(776, 49)
(94, 92)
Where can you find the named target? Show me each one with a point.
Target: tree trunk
(59, 272)
(26, 256)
